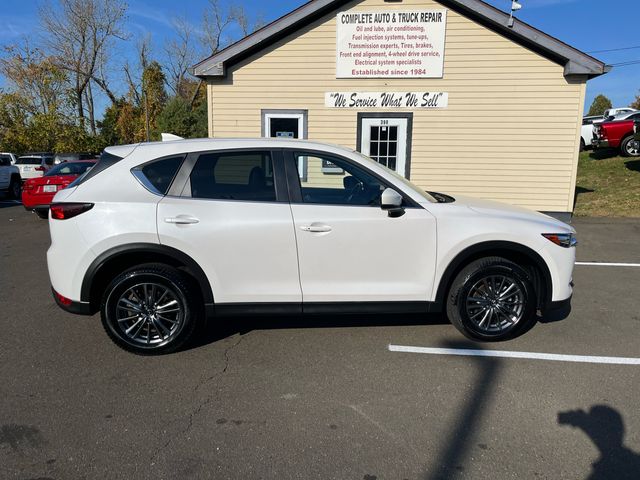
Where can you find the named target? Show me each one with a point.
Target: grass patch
(608, 185)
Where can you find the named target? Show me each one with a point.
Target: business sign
(390, 44)
(386, 99)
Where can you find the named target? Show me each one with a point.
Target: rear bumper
(71, 306)
(600, 143)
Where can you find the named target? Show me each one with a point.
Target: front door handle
(316, 228)
(181, 220)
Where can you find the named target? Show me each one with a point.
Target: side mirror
(392, 202)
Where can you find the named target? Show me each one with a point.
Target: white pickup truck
(10, 181)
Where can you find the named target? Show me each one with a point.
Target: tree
(636, 102)
(34, 77)
(179, 118)
(181, 52)
(79, 34)
(154, 96)
(599, 105)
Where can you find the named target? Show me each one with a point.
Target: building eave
(575, 62)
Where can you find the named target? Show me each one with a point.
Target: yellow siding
(510, 132)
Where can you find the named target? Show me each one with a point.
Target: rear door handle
(316, 228)
(182, 220)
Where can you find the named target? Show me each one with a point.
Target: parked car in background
(12, 156)
(71, 157)
(34, 165)
(586, 133)
(10, 180)
(157, 235)
(37, 193)
(616, 112)
(616, 134)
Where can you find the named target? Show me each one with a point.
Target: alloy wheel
(149, 314)
(495, 304)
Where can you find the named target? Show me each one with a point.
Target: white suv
(160, 236)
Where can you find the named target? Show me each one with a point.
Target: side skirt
(320, 308)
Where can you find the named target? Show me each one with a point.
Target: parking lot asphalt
(321, 397)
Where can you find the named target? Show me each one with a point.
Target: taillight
(64, 211)
(27, 186)
(39, 169)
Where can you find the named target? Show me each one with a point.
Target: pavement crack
(201, 405)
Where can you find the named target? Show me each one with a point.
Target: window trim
(181, 187)
(408, 116)
(294, 182)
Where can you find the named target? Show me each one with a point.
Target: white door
(230, 223)
(385, 140)
(349, 249)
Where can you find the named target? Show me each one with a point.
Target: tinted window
(335, 181)
(48, 160)
(5, 161)
(106, 160)
(161, 172)
(29, 161)
(74, 168)
(234, 176)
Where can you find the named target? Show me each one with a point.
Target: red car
(37, 193)
(616, 134)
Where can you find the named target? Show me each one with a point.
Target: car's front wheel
(150, 309)
(492, 299)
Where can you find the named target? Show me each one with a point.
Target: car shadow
(6, 202)
(633, 165)
(219, 328)
(604, 153)
(605, 427)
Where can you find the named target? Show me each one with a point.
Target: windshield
(410, 186)
(29, 161)
(75, 168)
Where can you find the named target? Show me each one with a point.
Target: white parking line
(606, 264)
(507, 354)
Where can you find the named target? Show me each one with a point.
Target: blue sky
(588, 25)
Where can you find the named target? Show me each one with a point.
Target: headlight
(565, 240)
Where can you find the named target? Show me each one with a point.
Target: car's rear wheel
(150, 309)
(14, 188)
(492, 299)
(629, 148)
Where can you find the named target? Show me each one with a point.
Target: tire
(15, 189)
(133, 319)
(628, 148)
(582, 145)
(474, 306)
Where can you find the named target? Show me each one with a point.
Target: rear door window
(244, 176)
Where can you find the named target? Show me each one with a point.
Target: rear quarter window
(157, 175)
